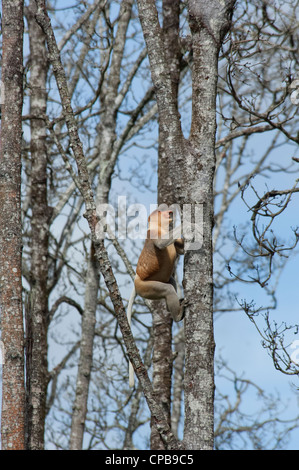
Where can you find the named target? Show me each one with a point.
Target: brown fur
(155, 264)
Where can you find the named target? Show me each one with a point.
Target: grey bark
(12, 334)
(178, 381)
(162, 322)
(86, 351)
(208, 23)
(37, 315)
(191, 172)
(162, 367)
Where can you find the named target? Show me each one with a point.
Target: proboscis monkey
(155, 267)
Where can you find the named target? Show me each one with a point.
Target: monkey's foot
(183, 304)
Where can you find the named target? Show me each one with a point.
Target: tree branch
(91, 216)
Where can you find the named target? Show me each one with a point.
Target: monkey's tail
(131, 376)
(129, 315)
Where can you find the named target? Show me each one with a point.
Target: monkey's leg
(182, 300)
(174, 305)
(154, 290)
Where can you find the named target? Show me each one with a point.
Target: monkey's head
(159, 221)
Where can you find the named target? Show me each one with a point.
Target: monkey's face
(161, 219)
(166, 217)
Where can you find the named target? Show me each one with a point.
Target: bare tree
(12, 332)
(194, 183)
(234, 429)
(37, 314)
(108, 107)
(261, 84)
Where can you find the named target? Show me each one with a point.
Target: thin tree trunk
(133, 421)
(12, 334)
(86, 351)
(178, 381)
(37, 315)
(208, 23)
(162, 321)
(162, 368)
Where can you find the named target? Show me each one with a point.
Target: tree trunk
(86, 351)
(162, 367)
(162, 321)
(208, 23)
(178, 381)
(37, 312)
(191, 166)
(12, 334)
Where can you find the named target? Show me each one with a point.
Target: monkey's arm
(192, 231)
(174, 235)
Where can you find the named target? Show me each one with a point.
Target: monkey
(154, 273)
